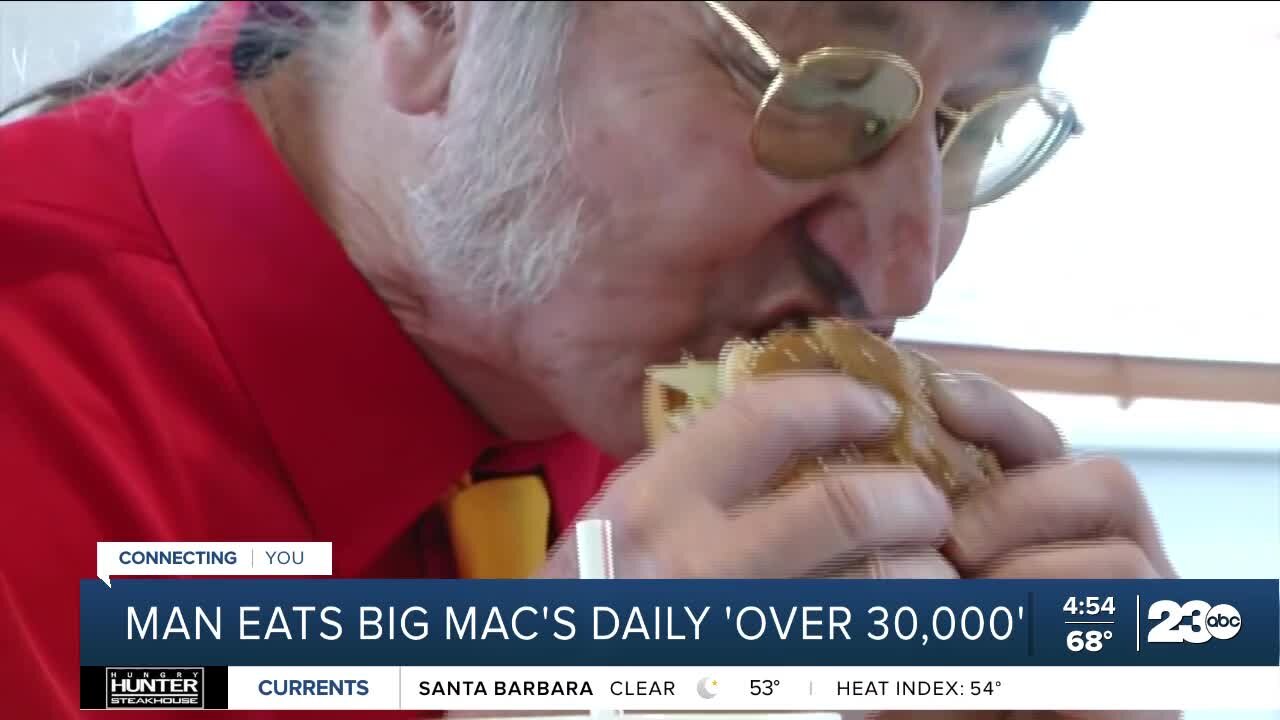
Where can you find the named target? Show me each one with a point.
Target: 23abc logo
(1192, 622)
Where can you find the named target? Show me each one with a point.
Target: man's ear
(416, 46)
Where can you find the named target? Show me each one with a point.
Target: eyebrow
(1025, 60)
(889, 19)
(877, 15)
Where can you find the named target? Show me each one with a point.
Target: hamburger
(676, 394)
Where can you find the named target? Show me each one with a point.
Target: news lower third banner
(679, 645)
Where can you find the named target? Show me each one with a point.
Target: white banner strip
(152, 559)
(754, 690)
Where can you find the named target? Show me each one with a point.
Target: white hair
(495, 216)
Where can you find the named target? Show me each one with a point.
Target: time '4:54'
(1089, 605)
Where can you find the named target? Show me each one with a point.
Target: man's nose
(880, 223)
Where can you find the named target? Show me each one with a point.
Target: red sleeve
(81, 455)
(118, 421)
(116, 414)
(120, 418)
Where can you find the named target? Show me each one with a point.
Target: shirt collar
(370, 436)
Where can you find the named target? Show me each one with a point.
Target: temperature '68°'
(1087, 640)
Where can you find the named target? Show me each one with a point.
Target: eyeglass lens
(835, 110)
(832, 112)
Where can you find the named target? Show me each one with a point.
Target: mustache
(834, 285)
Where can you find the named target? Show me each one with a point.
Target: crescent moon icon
(705, 692)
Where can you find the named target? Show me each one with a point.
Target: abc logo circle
(1223, 622)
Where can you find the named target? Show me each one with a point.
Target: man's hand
(702, 504)
(1054, 517)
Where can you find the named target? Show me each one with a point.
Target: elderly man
(389, 275)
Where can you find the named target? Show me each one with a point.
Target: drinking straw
(595, 562)
(595, 550)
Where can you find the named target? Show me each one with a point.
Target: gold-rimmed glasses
(837, 107)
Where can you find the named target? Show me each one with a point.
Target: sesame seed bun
(674, 395)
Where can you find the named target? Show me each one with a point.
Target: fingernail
(944, 378)
(930, 495)
(865, 396)
(949, 384)
(887, 403)
(925, 503)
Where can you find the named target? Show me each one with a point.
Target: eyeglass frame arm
(758, 44)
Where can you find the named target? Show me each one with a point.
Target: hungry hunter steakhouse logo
(155, 687)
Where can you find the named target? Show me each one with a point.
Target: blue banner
(239, 622)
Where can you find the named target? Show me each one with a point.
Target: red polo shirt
(186, 353)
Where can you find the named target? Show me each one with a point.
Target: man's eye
(943, 125)
(752, 72)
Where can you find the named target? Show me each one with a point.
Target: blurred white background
(1154, 234)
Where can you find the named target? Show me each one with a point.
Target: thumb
(978, 409)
